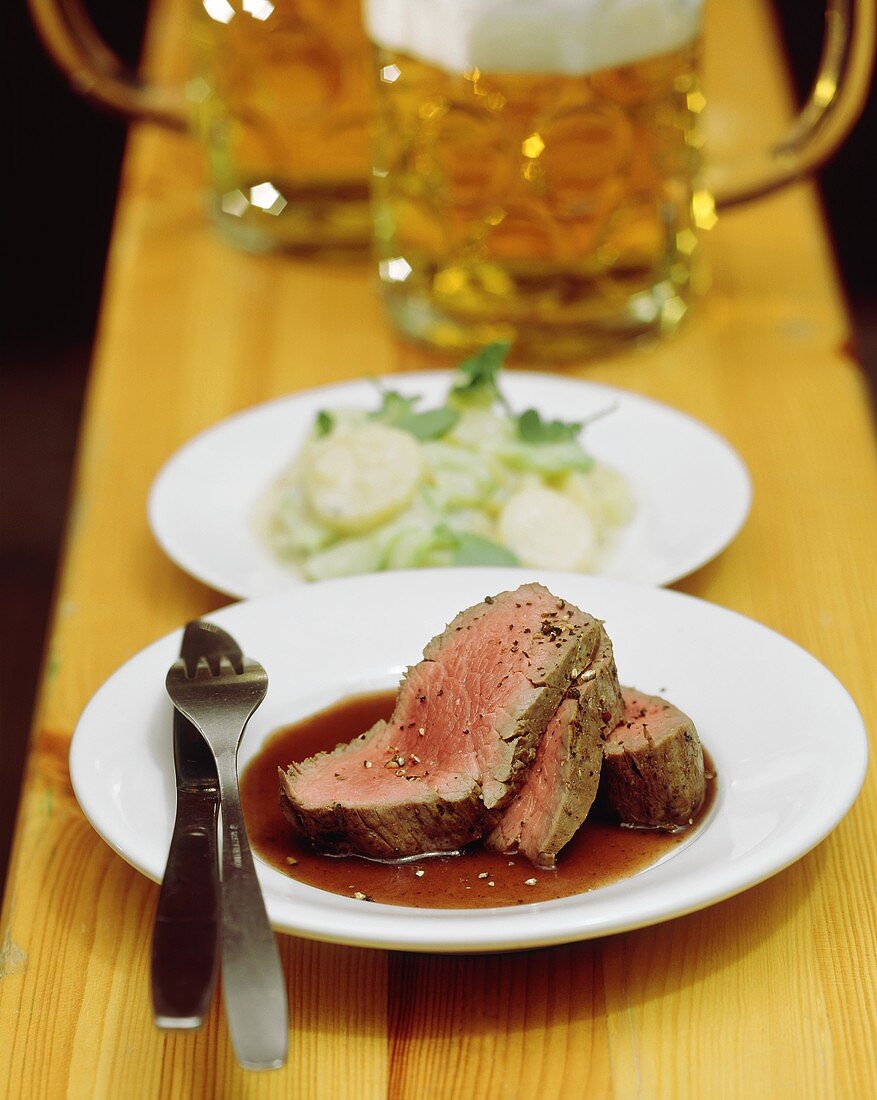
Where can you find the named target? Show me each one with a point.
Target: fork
(219, 700)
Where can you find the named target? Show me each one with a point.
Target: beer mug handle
(835, 101)
(95, 72)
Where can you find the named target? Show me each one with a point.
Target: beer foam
(570, 37)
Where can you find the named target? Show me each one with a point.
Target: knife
(185, 939)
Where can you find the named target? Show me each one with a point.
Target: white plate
(787, 740)
(691, 489)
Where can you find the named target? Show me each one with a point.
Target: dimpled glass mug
(538, 174)
(280, 96)
(537, 169)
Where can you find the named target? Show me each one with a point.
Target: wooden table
(771, 994)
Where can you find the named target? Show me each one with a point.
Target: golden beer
(283, 98)
(550, 209)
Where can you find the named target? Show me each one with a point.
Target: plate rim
(219, 582)
(303, 919)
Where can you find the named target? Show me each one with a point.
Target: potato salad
(470, 482)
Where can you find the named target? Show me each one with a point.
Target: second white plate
(691, 489)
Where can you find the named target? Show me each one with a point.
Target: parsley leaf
(324, 423)
(533, 429)
(431, 424)
(394, 407)
(398, 411)
(477, 376)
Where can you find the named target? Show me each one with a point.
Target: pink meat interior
(452, 715)
(646, 720)
(528, 818)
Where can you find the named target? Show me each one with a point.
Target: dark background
(59, 191)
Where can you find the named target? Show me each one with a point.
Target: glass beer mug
(538, 174)
(280, 94)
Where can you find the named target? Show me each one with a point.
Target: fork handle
(253, 983)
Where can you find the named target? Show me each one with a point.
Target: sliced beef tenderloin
(561, 785)
(368, 797)
(467, 723)
(652, 764)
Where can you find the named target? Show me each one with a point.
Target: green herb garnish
(477, 376)
(324, 424)
(432, 424)
(394, 407)
(398, 411)
(533, 429)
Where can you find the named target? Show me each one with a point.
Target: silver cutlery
(185, 939)
(218, 697)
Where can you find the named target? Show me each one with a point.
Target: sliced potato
(360, 478)
(603, 493)
(546, 530)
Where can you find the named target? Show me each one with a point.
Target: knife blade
(185, 940)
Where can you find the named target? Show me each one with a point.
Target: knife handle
(185, 938)
(253, 982)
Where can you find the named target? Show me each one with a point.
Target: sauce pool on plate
(601, 852)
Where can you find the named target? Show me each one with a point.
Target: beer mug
(538, 171)
(280, 94)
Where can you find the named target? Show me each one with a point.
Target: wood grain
(771, 994)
